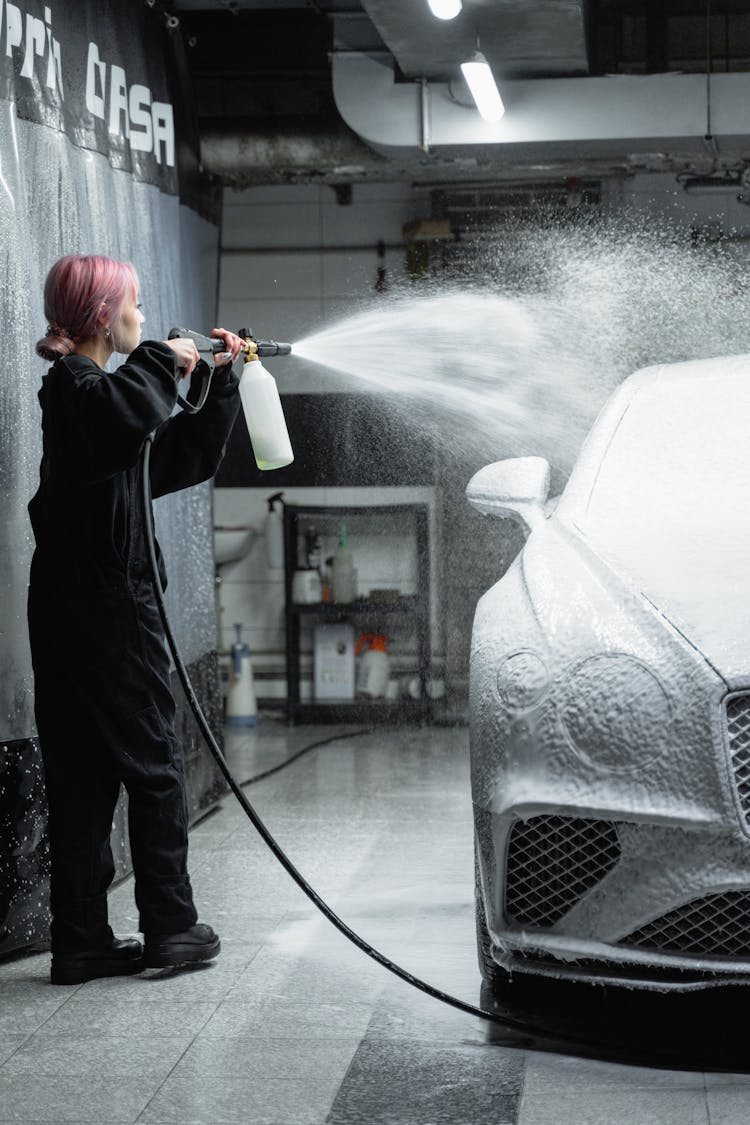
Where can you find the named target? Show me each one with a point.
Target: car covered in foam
(610, 696)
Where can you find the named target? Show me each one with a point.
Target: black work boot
(122, 957)
(199, 943)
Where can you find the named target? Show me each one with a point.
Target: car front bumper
(636, 904)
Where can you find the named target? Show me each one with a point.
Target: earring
(107, 333)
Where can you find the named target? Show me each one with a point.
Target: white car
(610, 697)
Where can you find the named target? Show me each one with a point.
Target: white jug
(374, 667)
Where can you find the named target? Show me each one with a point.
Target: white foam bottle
(264, 416)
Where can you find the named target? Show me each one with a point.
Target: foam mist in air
(519, 354)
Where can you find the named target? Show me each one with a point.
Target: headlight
(615, 712)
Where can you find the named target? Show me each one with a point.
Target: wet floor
(292, 1024)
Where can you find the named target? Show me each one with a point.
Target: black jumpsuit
(103, 701)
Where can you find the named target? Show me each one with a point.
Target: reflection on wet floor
(293, 1024)
(686, 1031)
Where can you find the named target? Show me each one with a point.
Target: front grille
(553, 861)
(715, 926)
(738, 730)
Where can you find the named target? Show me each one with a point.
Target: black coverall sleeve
(112, 412)
(188, 448)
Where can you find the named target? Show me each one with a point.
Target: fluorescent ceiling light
(484, 91)
(445, 9)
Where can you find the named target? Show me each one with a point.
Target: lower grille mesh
(714, 926)
(553, 861)
(738, 730)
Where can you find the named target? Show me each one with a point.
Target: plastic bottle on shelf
(344, 572)
(273, 530)
(374, 671)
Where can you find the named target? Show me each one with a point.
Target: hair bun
(54, 345)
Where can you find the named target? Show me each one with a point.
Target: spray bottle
(273, 530)
(242, 708)
(262, 406)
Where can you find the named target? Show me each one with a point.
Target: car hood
(587, 603)
(706, 600)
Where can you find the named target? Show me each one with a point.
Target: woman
(103, 701)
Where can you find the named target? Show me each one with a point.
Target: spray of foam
(520, 354)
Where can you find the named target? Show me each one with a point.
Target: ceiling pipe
(619, 112)
(245, 151)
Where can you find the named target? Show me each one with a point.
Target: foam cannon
(259, 394)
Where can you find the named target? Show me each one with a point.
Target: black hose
(509, 1023)
(300, 753)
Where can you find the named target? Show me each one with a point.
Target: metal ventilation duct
(617, 118)
(543, 39)
(245, 151)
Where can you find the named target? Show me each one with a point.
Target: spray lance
(258, 393)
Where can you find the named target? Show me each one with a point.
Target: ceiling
(338, 90)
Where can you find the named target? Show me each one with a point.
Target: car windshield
(671, 500)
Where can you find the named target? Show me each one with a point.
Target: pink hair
(82, 294)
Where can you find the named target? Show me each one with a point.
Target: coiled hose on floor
(510, 1024)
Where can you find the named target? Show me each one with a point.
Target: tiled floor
(292, 1024)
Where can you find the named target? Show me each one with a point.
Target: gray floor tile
(240, 926)
(240, 945)
(403, 1013)
(239, 1101)
(32, 967)
(62, 1100)
(280, 1018)
(253, 877)
(19, 991)
(571, 1106)
(264, 1058)
(307, 835)
(20, 1016)
(96, 1056)
(85, 1015)
(549, 1073)
(9, 1044)
(306, 981)
(303, 961)
(209, 982)
(729, 1105)
(412, 1083)
(716, 1080)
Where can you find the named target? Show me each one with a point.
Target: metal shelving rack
(364, 611)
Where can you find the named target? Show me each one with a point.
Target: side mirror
(514, 489)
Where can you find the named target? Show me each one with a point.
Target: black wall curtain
(98, 154)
